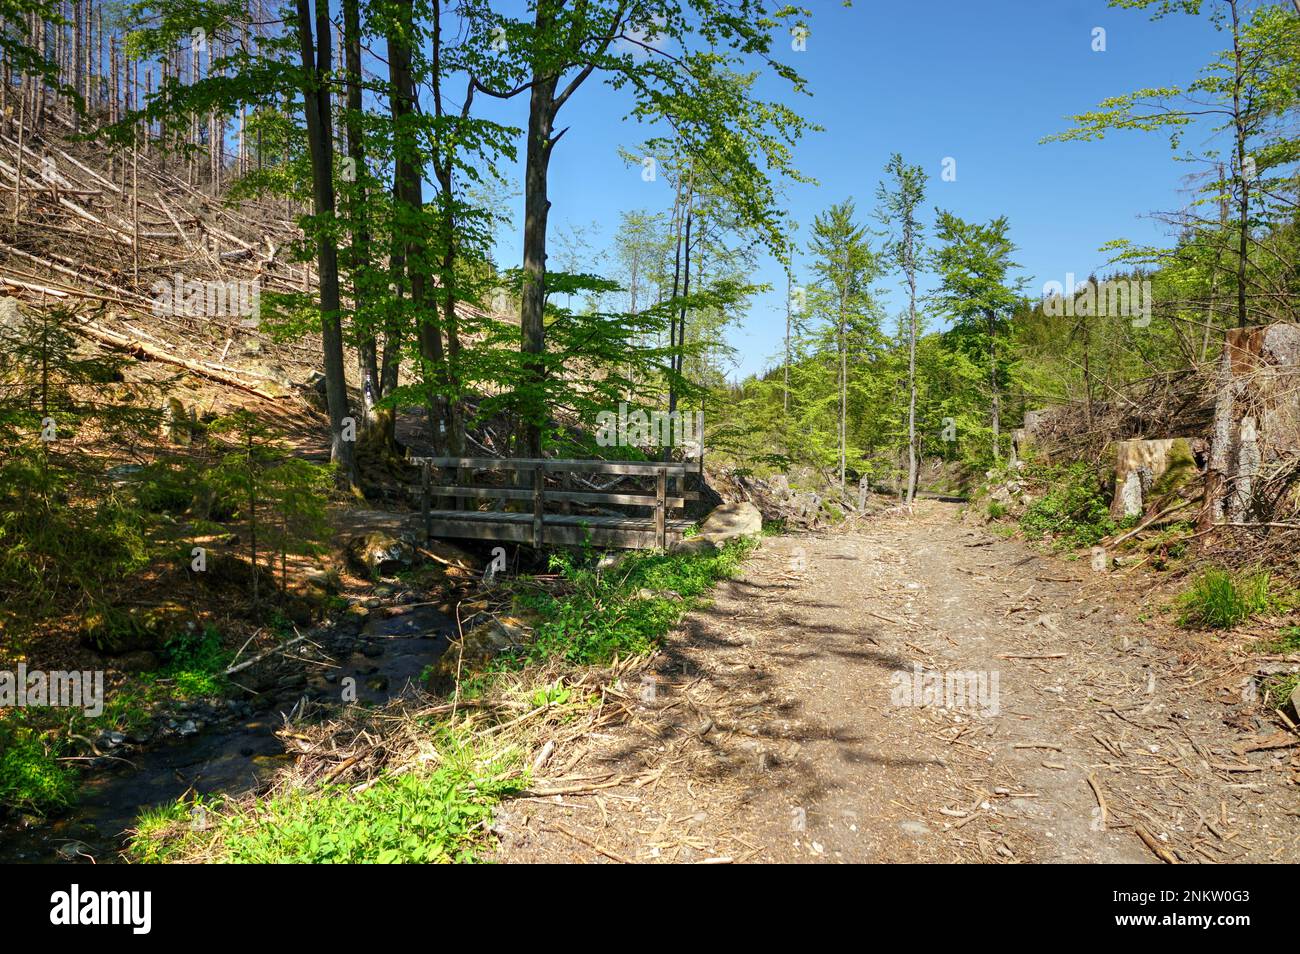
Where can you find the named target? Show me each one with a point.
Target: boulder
(177, 423)
(118, 632)
(480, 644)
(732, 520)
(453, 557)
(729, 521)
(380, 553)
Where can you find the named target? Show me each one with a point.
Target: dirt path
(775, 725)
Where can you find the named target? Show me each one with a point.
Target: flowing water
(235, 756)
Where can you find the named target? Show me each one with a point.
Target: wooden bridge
(539, 482)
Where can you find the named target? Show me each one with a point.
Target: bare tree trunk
(912, 462)
(537, 207)
(409, 180)
(1243, 205)
(315, 65)
(994, 388)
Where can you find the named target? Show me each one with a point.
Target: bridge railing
(453, 478)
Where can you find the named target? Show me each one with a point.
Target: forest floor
(770, 727)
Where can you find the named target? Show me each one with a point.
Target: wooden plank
(661, 490)
(555, 465)
(566, 531)
(553, 519)
(570, 496)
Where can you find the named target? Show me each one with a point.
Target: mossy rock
(116, 631)
(481, 644)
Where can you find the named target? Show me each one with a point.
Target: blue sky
(979, 82)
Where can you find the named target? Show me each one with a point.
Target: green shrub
(31, 776)
(996, 511)
(1219, 600)
(195, 662)
(1074, 510)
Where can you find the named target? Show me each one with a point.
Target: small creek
(237, 751)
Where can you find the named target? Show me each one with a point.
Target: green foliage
(1220, 599)
(68, 534)
(556, 694)
(283, 499)
(1286, 641)
(31, 776)
(195, 661)
(1074, 509)
(418, 817)
(599, 615)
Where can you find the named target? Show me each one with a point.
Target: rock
(123, 474)
(454, 557)
(480, 644)
(177, 424)
(117, 632)
(612, 559)
(1295, 700)
(111, 740)
(380, 553)
(729, 521)
(73, 850)
(11, 319)
(326, 579)
(187, 728)
(914, 828)
(140, 660)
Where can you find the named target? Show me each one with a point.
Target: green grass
(195, 663)
(1219, 599)
(596, 616)
(420, 817)
(996, 511)
(1278, 689)
(1286, 641)
(32, 778)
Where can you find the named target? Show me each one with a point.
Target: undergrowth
(433, 815)
(32, 777)
(1220, 599)
(597, 615)
(440, 810)
(1073, 511)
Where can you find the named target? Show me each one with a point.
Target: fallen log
(92, 329)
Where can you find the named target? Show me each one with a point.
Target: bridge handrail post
(539, 505)
(661, 492)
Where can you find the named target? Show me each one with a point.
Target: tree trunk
(993, 387)
(409, 179)
(911, 367)
(1239, 126)
(537, 207)
(320, 144)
